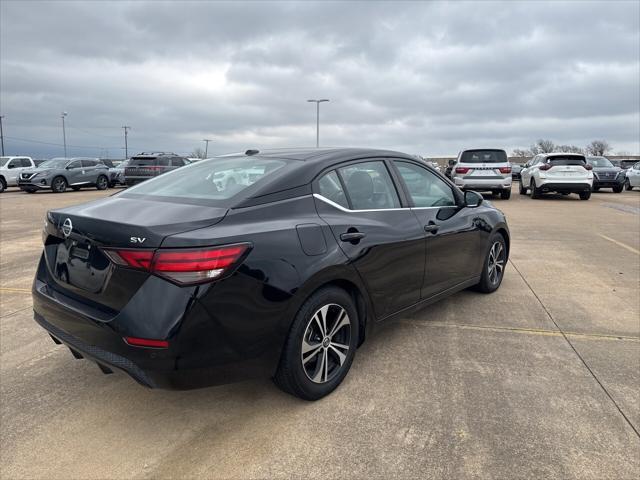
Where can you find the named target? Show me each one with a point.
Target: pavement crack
(566, 337)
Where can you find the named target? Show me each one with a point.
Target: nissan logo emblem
(67, 226)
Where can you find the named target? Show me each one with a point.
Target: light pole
(64, 133)
(126, 147)
(318, 102)
(1, 134)
(206, 147)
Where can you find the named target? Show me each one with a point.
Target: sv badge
(137, 239)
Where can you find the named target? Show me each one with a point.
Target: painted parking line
(17, 290)
(620, 244)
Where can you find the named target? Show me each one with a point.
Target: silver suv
(483, 170)
(58, 174)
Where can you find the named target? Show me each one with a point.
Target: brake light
(505, 169)
(588, 166)
(146, 342)
(184, 266)
(545, 166)
(462, 169)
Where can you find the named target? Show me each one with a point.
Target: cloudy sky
(420, 77)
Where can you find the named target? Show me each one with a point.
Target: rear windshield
(142, 161)
(483, 156)
(566, 160)
(214, 179)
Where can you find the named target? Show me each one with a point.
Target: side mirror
(472, 199)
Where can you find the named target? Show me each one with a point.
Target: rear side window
(483, 156)
(215, 179)
(142, 162)
(369, 186)
(177, 162)
(25, 162)
(331, 189)
(89, 163)
(163, 161)
(566, 160)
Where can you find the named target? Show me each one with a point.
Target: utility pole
(64, 133)
(126, 147)
(318, 102)
(206, 147)
(2, 134)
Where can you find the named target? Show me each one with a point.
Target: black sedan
(184, 281)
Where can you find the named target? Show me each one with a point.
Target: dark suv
(148, 165)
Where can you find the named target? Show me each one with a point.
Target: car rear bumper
(201, 351)
(501, 183)
(565, 187)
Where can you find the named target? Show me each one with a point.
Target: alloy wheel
(496, 262)
(325, 343)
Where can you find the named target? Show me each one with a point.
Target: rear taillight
(146, 342)
(505, 169)
(545, 166)
(181, 265)
(462, 169)
(588, 166)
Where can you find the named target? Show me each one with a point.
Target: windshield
(215, 179)
(3, 161)
(483, 156)
(599, 162)
(54, 163)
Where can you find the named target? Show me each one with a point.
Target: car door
(74, 173)
(381, 238)
(453, 233)
(14, 167)
(90, 171)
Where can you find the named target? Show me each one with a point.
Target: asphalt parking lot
(540, 379)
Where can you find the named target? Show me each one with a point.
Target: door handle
(352, 236)
(431, 228)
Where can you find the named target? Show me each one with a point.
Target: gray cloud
(426, 78)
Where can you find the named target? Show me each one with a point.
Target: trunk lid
(76, 237)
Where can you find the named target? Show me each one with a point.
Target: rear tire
(535, 191)
(618, 189)
(102, 183)
(59, 185)
(585, 195)
(505, 194)
(311, 345)
(494, 265)
(521, 188)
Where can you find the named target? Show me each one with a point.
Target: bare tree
(517, 152)
(197, 153)
(598, 148)
(569, 149)
(542, 146)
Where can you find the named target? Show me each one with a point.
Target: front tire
(535, 191)
(618, 189)
(59, 185)
(521, 188)
(494, 265)
(627, 185)
(596, 189)
(320, 346)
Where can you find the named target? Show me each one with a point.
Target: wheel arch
(504, 231)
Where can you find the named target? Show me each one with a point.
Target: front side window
(75, 164)
(425, 188)
(330, 188)
(25, 162)
(88, 163)
(369, 186)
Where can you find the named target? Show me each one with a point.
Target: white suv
(632, 177)
(483, 170)
(563, 173)
(10, 168)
